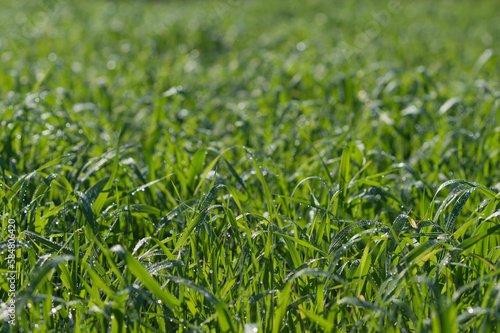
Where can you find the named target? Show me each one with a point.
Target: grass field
(256, 166)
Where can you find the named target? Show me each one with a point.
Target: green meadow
(250, 166)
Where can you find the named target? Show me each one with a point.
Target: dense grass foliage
(251, 166)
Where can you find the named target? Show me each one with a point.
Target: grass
(250, 166)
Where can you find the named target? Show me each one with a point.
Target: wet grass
(257, 166)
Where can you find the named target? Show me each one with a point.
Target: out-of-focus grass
(312, 166)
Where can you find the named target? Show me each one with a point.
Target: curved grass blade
(174, 213)
(48, 243)
(457, 208)
(37, 278)
(140, 272)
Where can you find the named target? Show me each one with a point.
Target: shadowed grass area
(250, 166)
